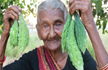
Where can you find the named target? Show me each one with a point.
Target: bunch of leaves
(4, 4)
(74, 40)
(100, 12)
(19, 35)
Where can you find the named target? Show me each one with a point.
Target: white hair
(52, 4)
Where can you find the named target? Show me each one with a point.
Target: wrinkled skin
(50, 30)
(10, 15)
(54, 33)
(51, 26)
(84, 6)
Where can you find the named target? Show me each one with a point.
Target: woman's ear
(38, 31)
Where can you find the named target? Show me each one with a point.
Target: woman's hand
(84, 6)
(10, 15)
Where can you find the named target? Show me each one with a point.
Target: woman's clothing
(41, 59)
(103, 68)
(46, 61)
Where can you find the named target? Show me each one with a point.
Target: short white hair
(52, 4)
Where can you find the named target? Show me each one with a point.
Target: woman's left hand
(84, 6)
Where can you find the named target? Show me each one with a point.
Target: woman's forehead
(51, 14)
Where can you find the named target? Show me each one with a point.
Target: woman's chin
(52, 46)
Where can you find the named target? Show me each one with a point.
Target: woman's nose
(52, 33)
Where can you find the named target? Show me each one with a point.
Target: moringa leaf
(98, 6)
(104, 25)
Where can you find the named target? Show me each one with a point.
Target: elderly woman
(52, 15)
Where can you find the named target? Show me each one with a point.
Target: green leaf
(98, 24)
(1, 32)
(106, 31)
(35, 5)
(1, 1)
(98, 6)
(1, 22)
(21, 5)
(67, 2)
(94, 12)
(5, 0)
(104, 25)
(31, 4)
(24, 2)
(94, 1)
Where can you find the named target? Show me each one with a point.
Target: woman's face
(51, 26)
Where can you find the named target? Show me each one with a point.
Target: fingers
(8, 16)
(82, 5)
(14, 14)
(78, 5)
(7, 25)
(19, 8)
(13, 8)
(70, 2)
(14, 11)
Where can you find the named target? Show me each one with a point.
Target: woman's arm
(10, 15)
(87, 18)
(100, 52)
(3, 43)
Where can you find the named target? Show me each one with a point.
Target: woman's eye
(45, 25)
(58, 24)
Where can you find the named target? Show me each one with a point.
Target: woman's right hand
(10, 15)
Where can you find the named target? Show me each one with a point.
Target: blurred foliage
(4, 4)
(100, 12)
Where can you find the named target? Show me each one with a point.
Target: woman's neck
(59, 57)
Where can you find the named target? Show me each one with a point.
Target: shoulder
(30, 54)
(31, 57)
(28, 61)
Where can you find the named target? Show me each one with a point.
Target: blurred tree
(100, 12)
(99, 7)
(4, 4)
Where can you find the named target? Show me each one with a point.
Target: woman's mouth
(52, 40)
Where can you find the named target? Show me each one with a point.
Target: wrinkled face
(51, 26)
